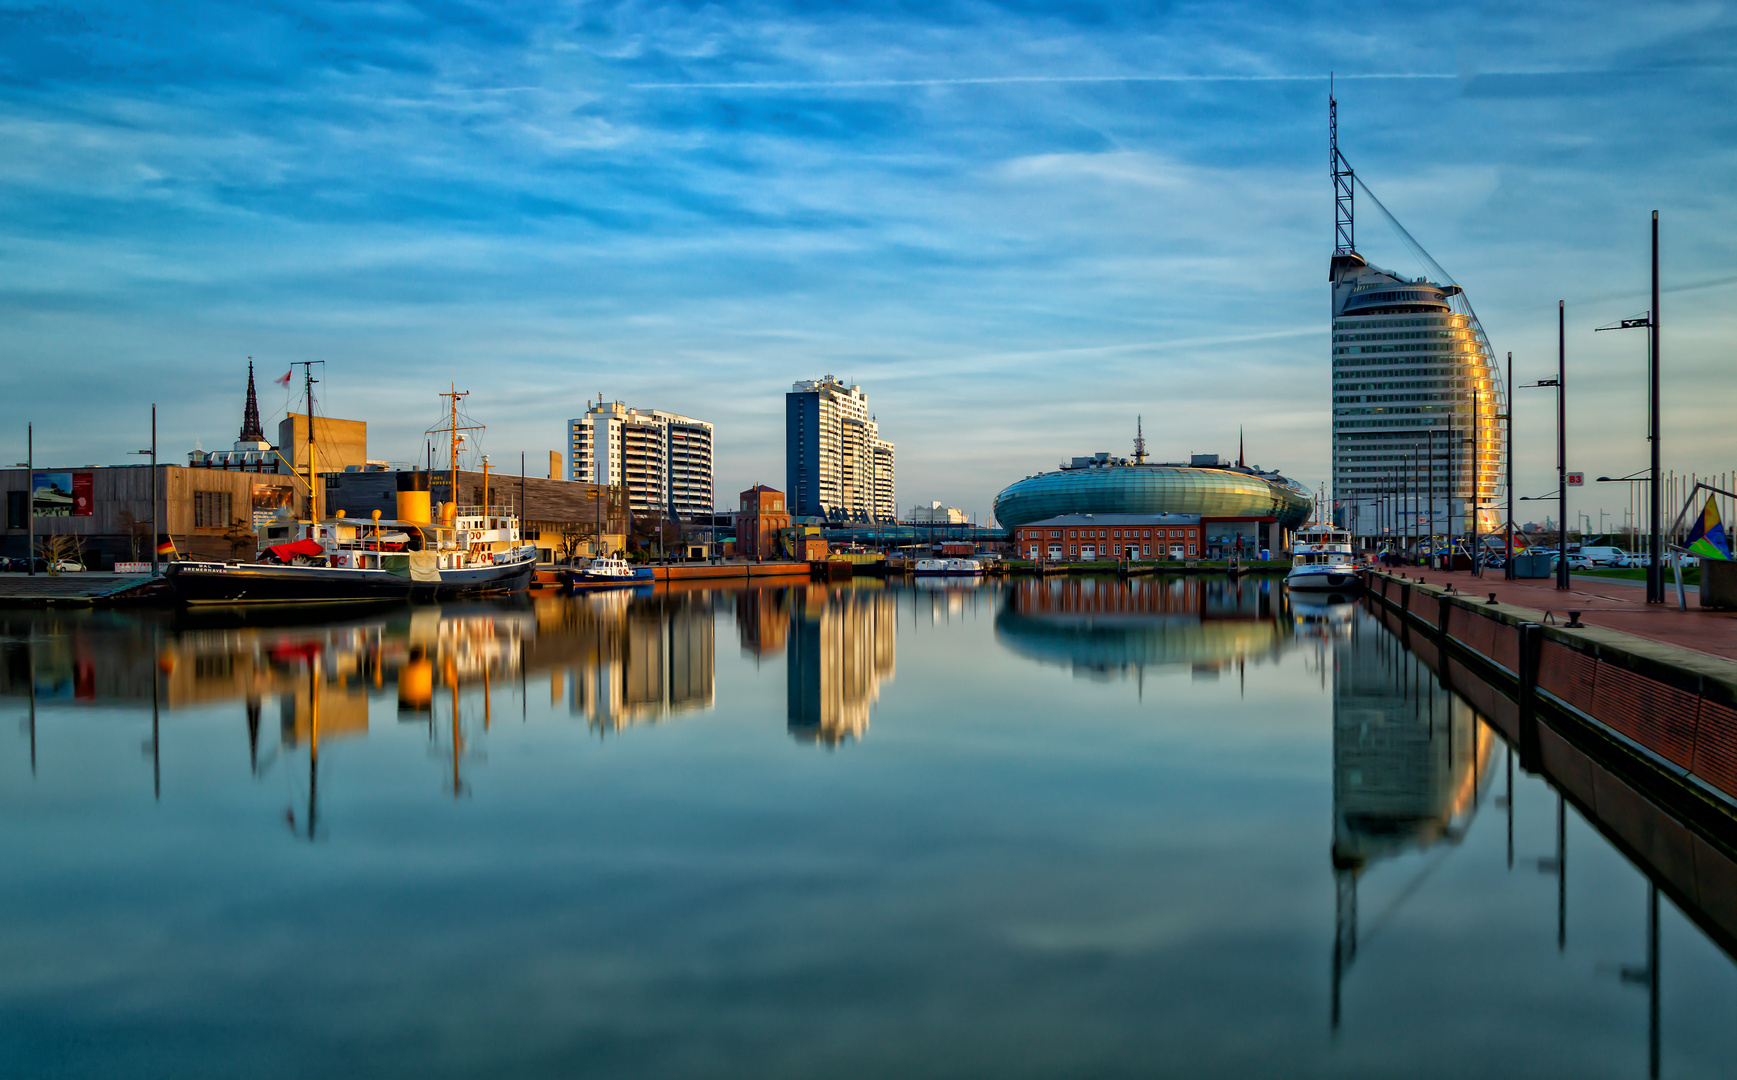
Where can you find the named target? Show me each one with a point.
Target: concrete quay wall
(1674, 708)
(731, 570)
(1681, 839)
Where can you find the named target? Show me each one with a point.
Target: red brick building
(1110, 536)
(762, 515)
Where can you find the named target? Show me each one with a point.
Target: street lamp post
(1562, 445)
(1650, 322)
(30, 502)
(1508, 567)
(1559, 383)
(152, 454)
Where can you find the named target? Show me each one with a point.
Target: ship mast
(452, 429)
(308, 382)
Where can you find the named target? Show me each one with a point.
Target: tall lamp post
(29, 464)
(1655, 539)
(152, 454)
(1508, 573)
(1560, 385)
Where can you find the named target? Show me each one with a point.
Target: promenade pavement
(1611, 603)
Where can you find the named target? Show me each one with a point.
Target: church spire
(250, 429)
(1240, 463)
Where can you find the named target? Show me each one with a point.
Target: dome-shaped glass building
(1105, 485)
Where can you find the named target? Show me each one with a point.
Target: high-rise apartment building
(1418, 410)
(836, 465)
(663, 459)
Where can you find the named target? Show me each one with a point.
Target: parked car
(1575, 562)
(1637, 560)
(65, 566)
(1603, 555)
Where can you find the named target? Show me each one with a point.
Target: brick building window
(211, 509)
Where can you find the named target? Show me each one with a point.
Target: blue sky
(1017, 226)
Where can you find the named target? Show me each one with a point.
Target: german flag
(166, 546)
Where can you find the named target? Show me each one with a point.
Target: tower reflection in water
(839, 646)
(1102, 628)
(1410, 765)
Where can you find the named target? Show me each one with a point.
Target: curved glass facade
(1152, 489)
(1413, 383)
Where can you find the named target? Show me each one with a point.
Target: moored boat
(1322, 559)
(605, 572)
(948, 568)
(461, 551)
(471, 553)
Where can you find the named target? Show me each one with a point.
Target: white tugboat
(605, 572)
(1322, 560)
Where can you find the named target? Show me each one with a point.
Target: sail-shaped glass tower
(1419, 414)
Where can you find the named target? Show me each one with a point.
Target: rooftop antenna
(1139, 441)
(1344, 229)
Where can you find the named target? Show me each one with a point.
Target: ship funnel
(413, 498)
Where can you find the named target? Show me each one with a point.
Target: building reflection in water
(839, 650)
(639, 658)
(1106, 629)
(1410, 764)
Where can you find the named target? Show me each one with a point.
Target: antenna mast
(1344, 228)
(1139, 442)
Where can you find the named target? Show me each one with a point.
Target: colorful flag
(166, 547)
(1707, 539)
(286, 378)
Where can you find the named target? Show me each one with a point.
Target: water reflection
(1132, 897)
(1410, 765)
(1104, 628)
(839, 648)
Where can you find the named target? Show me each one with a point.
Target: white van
(1603, 556)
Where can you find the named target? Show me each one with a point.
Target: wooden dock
(86, 588)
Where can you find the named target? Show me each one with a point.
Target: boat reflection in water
(839, 649)
(1104, 628)
(1410, 766)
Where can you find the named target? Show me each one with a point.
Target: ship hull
(1323, 579)
(258, 583)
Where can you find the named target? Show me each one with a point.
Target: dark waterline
(1061, 827)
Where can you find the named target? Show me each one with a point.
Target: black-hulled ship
(459, 551)
(473, 550)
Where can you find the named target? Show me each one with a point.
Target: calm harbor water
(1061, 827)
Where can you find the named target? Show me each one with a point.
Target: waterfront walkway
(1609, 603)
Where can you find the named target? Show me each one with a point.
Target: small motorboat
(948, 568)
(1322, 559)
(605, 572)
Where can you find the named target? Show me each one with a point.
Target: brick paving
(1610, 603)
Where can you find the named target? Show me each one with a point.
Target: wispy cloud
(1016, 228)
